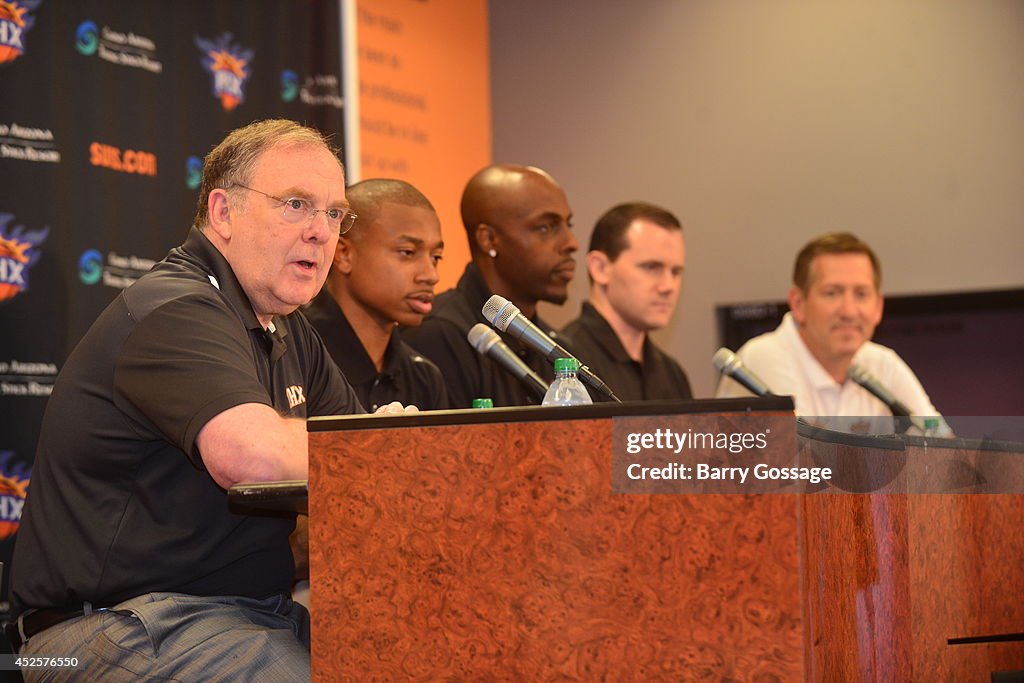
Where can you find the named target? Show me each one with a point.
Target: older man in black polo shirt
(195, 378)
(635, 264)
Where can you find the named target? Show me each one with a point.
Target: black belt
(38, 621)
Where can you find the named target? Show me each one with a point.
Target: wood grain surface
(498, 552)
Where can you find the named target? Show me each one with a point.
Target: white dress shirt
(783, 361)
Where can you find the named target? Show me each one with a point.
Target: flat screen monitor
(967, 348)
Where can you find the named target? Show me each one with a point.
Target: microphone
(730, 364)
(488, 343)
(507, 317)
(871, 383)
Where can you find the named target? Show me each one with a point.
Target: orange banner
(425, 103)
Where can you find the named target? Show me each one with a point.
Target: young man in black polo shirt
(635, 264)
(384, 273)
(197, 377)
(521, 243)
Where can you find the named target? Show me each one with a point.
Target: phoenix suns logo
(228, 63)
(14, 480)
(15, 22)
(18, 253)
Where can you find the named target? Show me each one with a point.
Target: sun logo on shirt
(296, 395)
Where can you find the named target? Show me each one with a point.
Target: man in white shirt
(835, 305)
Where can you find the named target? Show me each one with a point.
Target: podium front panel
(498, 552)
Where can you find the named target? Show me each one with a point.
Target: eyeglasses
(297, 210)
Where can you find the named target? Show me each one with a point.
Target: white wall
(763, 124)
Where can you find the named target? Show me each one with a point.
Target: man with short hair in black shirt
(518, 222)
(197, 377)
(384, 273)
(635, 264)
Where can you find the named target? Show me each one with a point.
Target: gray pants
(175, 637)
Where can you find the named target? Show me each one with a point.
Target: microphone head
(859, 375)
(725, 360)
(729, 364)
(499, 311)
(863, 377)
(482, 337)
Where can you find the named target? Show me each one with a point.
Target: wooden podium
(488, 545)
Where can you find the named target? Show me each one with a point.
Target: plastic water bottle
(567, 389)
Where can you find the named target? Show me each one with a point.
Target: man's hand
(396, 408)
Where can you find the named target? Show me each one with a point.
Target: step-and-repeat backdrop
(106, 111)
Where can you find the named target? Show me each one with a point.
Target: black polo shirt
(468, 375)
(595, 343)
(406, 376)
(120, 503)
